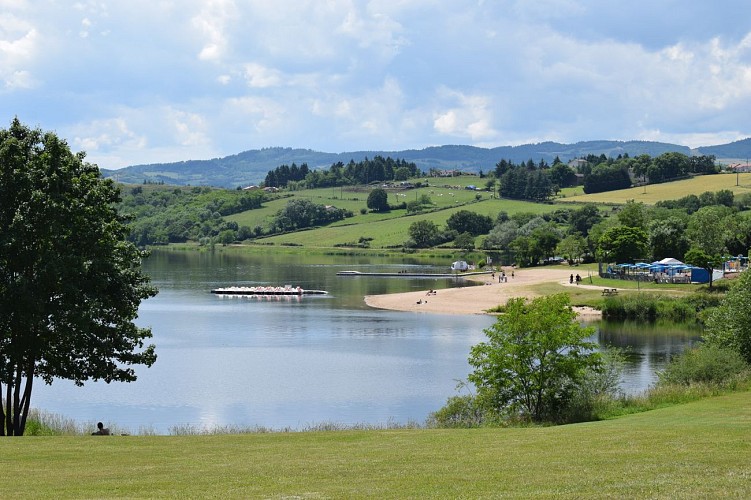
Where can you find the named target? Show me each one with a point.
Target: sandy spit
(475, 299)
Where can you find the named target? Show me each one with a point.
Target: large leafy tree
(707, 229)
(302, 213)
(70, 283)
(584, 218)
(633, 214)
(469, 222)
(424, 234)
(378, 200)
(535, 356)
(572, 247)
(699, 258)
(667, 238)
(623, 244)
(729, 325)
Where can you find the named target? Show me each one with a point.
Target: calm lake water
(296, 362)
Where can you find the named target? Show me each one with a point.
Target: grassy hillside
(450, 195)
(668, 191)
(391, 228)
(699, 449)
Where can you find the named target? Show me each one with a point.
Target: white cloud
(101, 136)
(260, 76)
(189, 128)
(211, 22)
(18, 45)
(179, 80)
(469, 116)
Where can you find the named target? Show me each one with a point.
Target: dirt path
(474, 299)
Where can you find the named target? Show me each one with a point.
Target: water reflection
(292, 363)
(648, 347)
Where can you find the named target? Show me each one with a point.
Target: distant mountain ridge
(250, 167)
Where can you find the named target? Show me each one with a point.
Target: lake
(295, 362)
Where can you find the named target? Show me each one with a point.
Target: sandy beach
(475, 299)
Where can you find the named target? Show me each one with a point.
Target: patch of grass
(699, 449)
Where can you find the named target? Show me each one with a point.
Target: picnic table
(609, 291)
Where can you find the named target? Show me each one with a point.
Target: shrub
(459, 412)
(703, 364)
(648, 307)
(598, 391)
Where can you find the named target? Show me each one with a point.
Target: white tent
(669, 261)
(459, 265)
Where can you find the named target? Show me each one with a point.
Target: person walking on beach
(571, 280)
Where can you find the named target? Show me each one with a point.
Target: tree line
(540, 181)
(700, 229)
(379, 169)
(162, 215)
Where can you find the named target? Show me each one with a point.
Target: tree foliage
(378, 200)
(364, 172)
(624, 244)
(164, 214)
(70, 283)
(282, 175)
(524, 182)
(302, 213)
(667, 238)
(729, 325)
(469, 222)
(424, 234)
(535, 356)
(606, 177)
(697, 257)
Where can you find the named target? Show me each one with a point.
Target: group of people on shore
(502, 278)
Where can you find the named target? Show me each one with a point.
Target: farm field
(447, 197)
(653, 193)
(390, 228)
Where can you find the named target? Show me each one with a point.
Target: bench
(609, 291)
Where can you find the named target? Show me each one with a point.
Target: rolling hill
(250, 167)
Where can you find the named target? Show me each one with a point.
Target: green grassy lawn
(699, 450)
(653, 193)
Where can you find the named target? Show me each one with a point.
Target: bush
(459, 412)
(648, 307)
(598, 391)
(640, 307)
(703, 364)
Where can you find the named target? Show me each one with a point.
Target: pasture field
(653, 193)
(389, 228)
(448, 195)
(696, 450)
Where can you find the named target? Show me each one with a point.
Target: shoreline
(476, 299)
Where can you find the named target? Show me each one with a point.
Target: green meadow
(386, 229)
(652, 193)
(447, 196)
(696, 450)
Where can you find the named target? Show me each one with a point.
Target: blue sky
(146, 81)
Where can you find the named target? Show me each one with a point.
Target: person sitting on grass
(101, 430)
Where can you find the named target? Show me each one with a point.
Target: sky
(151, 81)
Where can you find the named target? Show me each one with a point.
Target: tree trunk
(17, 401)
